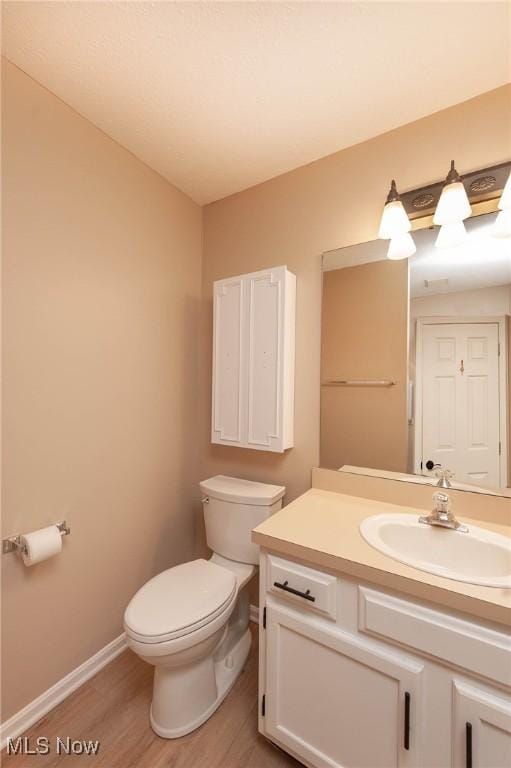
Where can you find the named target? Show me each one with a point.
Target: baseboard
(22, 720)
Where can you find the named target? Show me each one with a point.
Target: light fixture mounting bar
(483, 185)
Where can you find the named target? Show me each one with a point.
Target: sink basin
(477, 557)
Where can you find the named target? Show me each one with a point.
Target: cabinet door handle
(468, 745)
(307, 595)
(407, 721)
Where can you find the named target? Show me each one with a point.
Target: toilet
(191, 621)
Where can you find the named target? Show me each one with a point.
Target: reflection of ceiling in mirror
(482, 261)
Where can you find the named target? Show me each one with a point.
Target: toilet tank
(232, 507)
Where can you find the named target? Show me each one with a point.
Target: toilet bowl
(191, 621)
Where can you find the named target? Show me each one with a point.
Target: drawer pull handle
(468, 742)
(407, 721)
(307, 595)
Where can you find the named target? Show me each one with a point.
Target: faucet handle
(442, 502)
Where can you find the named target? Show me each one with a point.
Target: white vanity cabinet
(253, 360)
(342, 683)
(481, 727)
(335, 700)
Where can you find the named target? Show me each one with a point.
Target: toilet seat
(179, 601)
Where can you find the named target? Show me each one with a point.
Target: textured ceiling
(219, 96)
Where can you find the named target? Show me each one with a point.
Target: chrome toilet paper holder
(14, 543)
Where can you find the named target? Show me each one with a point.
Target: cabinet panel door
(481, 732)
(228, 378)
(334, 701)
(265, 358)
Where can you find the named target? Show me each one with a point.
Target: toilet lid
(179, 600)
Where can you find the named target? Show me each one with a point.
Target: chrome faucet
(444, 476)
(442, 514)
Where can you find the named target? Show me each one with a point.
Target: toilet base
(213, 679)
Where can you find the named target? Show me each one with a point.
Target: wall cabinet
(253, 360)
(348, 686)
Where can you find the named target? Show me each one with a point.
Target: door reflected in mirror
(415, 361)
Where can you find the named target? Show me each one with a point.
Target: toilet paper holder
(13, 543)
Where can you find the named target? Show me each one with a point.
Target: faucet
(444, 476)
(442, 514)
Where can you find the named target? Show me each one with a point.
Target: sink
(477, 557)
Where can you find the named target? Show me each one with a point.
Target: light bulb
(401, 247)
(505, 199)
(451, 235)
(502, 225)
(394, 219)
(454, 204)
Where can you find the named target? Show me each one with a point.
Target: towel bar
(359, 383)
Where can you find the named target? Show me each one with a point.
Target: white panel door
(460, 400)
(336, 702)
(228, 378)
(481, 729)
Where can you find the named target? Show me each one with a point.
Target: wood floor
(113, 707)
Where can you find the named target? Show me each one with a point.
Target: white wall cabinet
(376, 680)
(253, 360)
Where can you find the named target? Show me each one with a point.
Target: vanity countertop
(322, 528)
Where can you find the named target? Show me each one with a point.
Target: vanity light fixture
(447, 203)
(401, 247)
(395, 226)
(453, 207)
(502, 226)
(394, 219)
(451, 235)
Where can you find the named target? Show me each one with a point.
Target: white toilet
(191, 621)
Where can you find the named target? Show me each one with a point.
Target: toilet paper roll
(42, 544)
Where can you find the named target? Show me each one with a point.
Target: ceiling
(219, 96)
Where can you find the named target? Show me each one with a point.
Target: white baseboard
(22, 720)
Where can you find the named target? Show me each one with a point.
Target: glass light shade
(451, 235)
(505, 199)
(453, 205)
(401, 247)
(394, 221)
(502, 225)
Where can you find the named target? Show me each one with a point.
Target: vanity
(366, 661)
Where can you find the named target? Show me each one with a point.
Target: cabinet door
(266, 294)
(481, 733)
(228, 363)
(335, 701)
(253, 360)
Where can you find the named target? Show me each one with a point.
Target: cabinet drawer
(472, 646)
(304, 586)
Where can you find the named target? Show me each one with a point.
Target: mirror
(416, 360)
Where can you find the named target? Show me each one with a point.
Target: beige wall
(328, 204)
(101, 303)
(364, 336)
